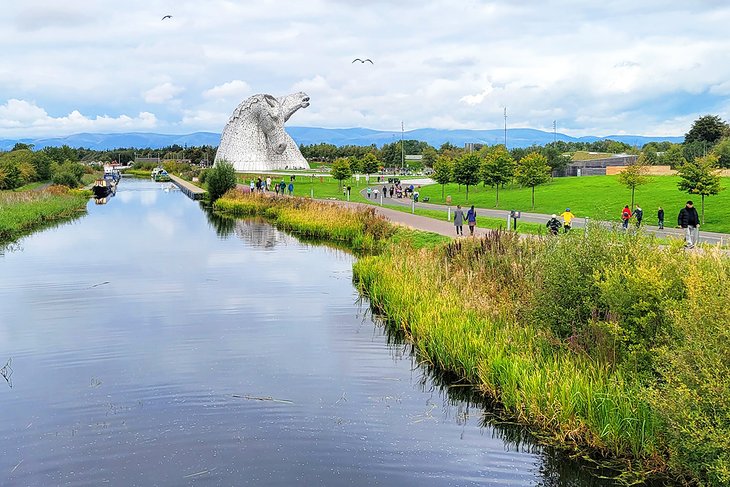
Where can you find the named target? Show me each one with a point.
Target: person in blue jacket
(471, 219)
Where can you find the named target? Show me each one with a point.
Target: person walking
(553, 224)
(567, 217)
(690, 221)
(471, 219)
(459, 220)
(282, 186)
(625, 217)
(369, 191)
(639, 215)
(291, 189)
(660, 217)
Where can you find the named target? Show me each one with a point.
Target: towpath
(447, 228)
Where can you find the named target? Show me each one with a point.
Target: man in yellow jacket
(567, 218)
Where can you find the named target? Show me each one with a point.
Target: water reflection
(256, 232)
(224, 226)
(156, 352)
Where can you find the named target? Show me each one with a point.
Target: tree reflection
(223, 225)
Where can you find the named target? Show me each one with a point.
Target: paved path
(708, 237)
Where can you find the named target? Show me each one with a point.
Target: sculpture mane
(254, 138)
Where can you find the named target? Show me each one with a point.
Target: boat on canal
(160, 175)
(103, 187)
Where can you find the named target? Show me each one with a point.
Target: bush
(693, 393)
(221, 178)
(66, 178)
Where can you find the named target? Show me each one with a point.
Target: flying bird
(167, 17)
(362, 60)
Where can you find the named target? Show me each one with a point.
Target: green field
(597, 197)
(323, 187)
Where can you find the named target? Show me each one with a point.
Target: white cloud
(232, 90)
(162, 93)
(594, 67)
(478, 98)
(19, 117)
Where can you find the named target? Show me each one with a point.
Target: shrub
(66, 178)
(221, 178)
(693, 393)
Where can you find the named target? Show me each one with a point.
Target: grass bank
(621, 358)
(603, 343)
(23, 212)
(362, 229)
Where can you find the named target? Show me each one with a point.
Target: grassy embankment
(138, 173)
(624, 359)
(23, 212)
(361, 229)
(597, 197)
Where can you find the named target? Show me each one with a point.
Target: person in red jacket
(625, 216)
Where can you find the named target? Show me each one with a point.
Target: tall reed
(361, 228)
(22, 212)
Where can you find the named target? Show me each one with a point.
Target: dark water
(148, 341)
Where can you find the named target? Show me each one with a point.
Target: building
(597, 167)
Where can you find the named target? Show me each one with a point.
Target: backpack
(625, 215)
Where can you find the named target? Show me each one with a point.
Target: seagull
(362, 60)
(167, 17)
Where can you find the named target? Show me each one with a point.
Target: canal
(149, 343)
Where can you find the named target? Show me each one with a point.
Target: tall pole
(505, 127)
(555, 130)
(402, 149)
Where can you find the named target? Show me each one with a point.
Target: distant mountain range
(315, 135)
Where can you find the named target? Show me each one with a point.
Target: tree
(672, 156)
(443, 170)
(709, 129)
(498, 168)
(722, 151)
(466, 171)
(651, 158)
(370, 163)
(532, 170)
(634, 175)
(341, 170)
(21, 146)
(221, 178)
(429, 156)
(699, 177)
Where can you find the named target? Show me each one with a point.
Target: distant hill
(315, 135)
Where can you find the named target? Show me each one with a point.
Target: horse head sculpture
(254, 137)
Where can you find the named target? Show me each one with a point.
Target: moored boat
(103, 187)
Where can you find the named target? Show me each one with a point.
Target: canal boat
(103, 187)
(160, 175)
(112, 173)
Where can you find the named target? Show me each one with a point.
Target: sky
(639, 67)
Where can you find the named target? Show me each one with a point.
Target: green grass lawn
(324, 187)
(597, 197)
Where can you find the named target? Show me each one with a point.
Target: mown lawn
(324, 187)
(597, 197)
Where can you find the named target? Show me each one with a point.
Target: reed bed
(22, 212)
(362, 229)
(618, 379)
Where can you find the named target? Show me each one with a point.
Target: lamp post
(402, 149)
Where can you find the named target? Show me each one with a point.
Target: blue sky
(598, 68)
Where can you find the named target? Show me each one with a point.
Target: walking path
(447, 228)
